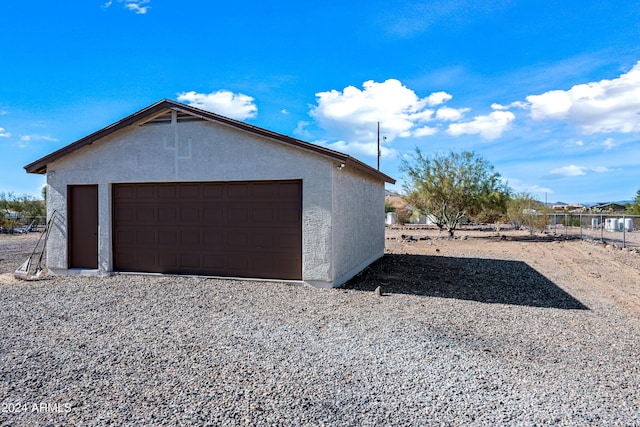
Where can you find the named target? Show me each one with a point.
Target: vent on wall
(165, 118)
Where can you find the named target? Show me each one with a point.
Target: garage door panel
(215, 238)
(190, 261)
(287, 214)
(144, 235)
(167, 191)
(242, 229)
(167, 237)
(190, 191)
(168, 260)
(264, 191)
(167, 215)
(145, 214)
(124, 237)
(214, 263)
(125, 192)
(237, 263)
(214, 192)
(237, 239)
(264, 214)
(125, 259)
(146, 192)
(289, 190)
(189, 213)
(190, 238)
(213, 214)
(238, 215)
(238, 191)
(287, 241)
(263, 239)
(123, 215)
(146, 259)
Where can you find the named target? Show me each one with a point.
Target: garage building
(177, 190)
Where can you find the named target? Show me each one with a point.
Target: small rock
(378, 292)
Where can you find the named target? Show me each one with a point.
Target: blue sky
(547, 91)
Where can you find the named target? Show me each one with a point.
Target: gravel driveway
(144, 350)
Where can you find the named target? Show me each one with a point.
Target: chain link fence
(617, 229)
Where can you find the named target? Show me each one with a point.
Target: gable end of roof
(40, 165)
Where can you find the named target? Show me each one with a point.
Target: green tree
(524, 210)
(14, 208)
(388, 207)
(450, 187)
(635, 207)
(520, 208)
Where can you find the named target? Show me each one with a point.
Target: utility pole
(378, 145)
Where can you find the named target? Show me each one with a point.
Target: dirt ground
(511, 267)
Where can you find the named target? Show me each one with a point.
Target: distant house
(567, 207)
(178, 190)
(607, 207)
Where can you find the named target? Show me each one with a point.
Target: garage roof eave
(40, 165)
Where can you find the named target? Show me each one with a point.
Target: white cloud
(573, 143)
(571, 170)
(488, 127)
(609, 144)
(137, 6)
(554, 104)
(596, 107)
(353, 114)
(447, 114)
(515, 104)
(284, 112)
(301, 129)
(534, 189)
(438, 98)
(26, 139)
(601, 169)
(235, 105)
(4, 133)
(360, 148)
(425, 131)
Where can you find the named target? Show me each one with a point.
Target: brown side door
(82, 212)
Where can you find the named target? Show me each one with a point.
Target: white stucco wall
(358, 222)
(206, 151)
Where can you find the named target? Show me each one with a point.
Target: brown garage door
(233, 229)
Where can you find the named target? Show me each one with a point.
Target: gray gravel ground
(141, 350)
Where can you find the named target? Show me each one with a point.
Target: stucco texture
(342, 211)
